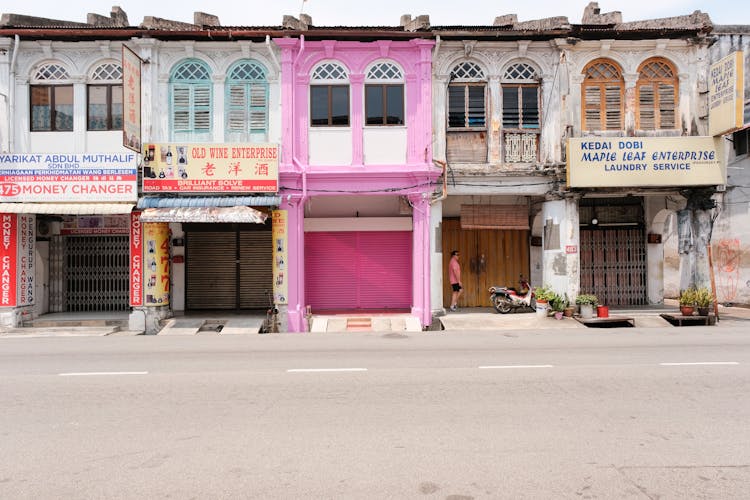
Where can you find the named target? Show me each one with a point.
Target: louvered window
(520, 97)
(602, 95)
(247, 102)
(329, 96)
(466, 97)
(191, 101)
(657, 96)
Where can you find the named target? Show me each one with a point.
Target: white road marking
(302, 370)
(701, 363)
(514, 366)
(84, 374)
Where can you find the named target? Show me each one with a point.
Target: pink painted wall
(414, 179)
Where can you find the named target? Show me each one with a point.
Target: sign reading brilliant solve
(48, 177)
(645, 161)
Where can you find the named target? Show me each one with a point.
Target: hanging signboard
(280, 254)
(211, 168)
(156, 262)
(17, 260)
(136, 259)
(726, 87)
(131, 105)
(645, 161)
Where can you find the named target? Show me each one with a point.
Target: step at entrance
(358, 324)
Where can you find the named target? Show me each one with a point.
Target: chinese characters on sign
(210, 168)
(280, 253)
(156, 262)
(131, 94)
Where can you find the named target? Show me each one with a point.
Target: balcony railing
(520, 147)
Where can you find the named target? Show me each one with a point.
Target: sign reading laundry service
(645, 161)
(50, 177)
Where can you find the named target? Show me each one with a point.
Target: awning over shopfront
(67, 208)
(238, 214)
(208, 201)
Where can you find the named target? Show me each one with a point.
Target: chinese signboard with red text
(131, 106)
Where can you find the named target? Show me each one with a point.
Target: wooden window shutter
(613, 96)
(593, 108)
(201, 108)
(237, 105)
(667, 106)
(646, 107)
(494, 217)
(258, 107)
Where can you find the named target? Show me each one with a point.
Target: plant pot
(568, 312)
(687, 310)
(703, 311)
(558, 315)
(602, 311)
(541, 308)
(587, 311)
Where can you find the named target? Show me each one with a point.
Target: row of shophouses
(334, 169)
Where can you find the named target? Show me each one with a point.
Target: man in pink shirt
(454, 275)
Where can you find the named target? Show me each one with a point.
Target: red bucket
(602, 311)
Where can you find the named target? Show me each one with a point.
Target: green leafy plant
(558, 303)
(587, 299)
(544, 293)
(703, 297)
(687, 297)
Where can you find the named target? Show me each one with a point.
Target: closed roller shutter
(211, 270)
(256, 271)
(358, 270)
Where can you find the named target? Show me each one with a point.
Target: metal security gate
(89, 273)
(613, 265)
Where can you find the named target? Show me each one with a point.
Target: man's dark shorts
(456, 287)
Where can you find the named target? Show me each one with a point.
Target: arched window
(104, 94)
(384, 95)
(246, 102)
(466, 97)
(329, 96)
(51, 99)
(191, 101)
(602, 94)
(657, 95)
(520, 97)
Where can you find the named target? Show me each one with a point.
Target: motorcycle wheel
(501, 304)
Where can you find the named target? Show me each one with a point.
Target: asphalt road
(578, 414)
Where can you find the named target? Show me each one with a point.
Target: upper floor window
(520, 87)
(105, 98)
(602, 95)
(246, 101)
(329, 96)
(657, 95)
(384, 95)
(191, 101)
(466, 97)
(51, 99)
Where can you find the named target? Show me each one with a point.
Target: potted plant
(542, 295)
(703, 299)
(558, 303)
(569, 308)
(687, 301)
(587, 302)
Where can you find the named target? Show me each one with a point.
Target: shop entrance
(228, 266)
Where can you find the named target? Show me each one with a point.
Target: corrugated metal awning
(204, 214)
(208, 201)
(67, 208)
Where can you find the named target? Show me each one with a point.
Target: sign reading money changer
(645, 161)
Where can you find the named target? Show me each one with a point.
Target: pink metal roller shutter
(358, 270)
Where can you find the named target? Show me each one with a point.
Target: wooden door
(488, 257)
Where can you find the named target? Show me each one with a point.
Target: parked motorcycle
(507, 299)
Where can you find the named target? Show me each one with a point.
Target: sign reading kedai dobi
(645, 162)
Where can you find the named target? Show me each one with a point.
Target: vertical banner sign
(280, 253)
(156, 262)
(26, 272)
(726, 88)
(8, 258)
(131, 105)
(136, 259)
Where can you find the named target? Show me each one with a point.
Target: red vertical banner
(136, 259)
(156, 263)
(8, 259)
(26, 259)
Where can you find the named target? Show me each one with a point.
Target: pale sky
(374, 13)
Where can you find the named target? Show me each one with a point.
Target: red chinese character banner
(211, 168)
(136, 259)
(8, 259)
(131, 95)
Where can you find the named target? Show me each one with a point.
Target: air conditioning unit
(43, 228)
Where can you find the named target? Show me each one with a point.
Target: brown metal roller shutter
(211, 270)
(256, 270)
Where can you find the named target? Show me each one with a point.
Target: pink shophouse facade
(357, 176)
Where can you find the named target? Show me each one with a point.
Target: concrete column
(218, 107)
(630, 102)
(295, 317)
(440, 93)
(560, 246)
(357, 117)
(80, 115)
(421, 257)
(436, 259)
(495, 120)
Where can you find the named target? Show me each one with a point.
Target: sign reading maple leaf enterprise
(210, 168)
(645, 161)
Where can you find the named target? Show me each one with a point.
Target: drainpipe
(270, 51)
(444, 195)
(12, 97)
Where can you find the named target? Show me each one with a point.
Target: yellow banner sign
(645, 161)
(280, 255)
(156, 263)
(210, 168)
(725, 95)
